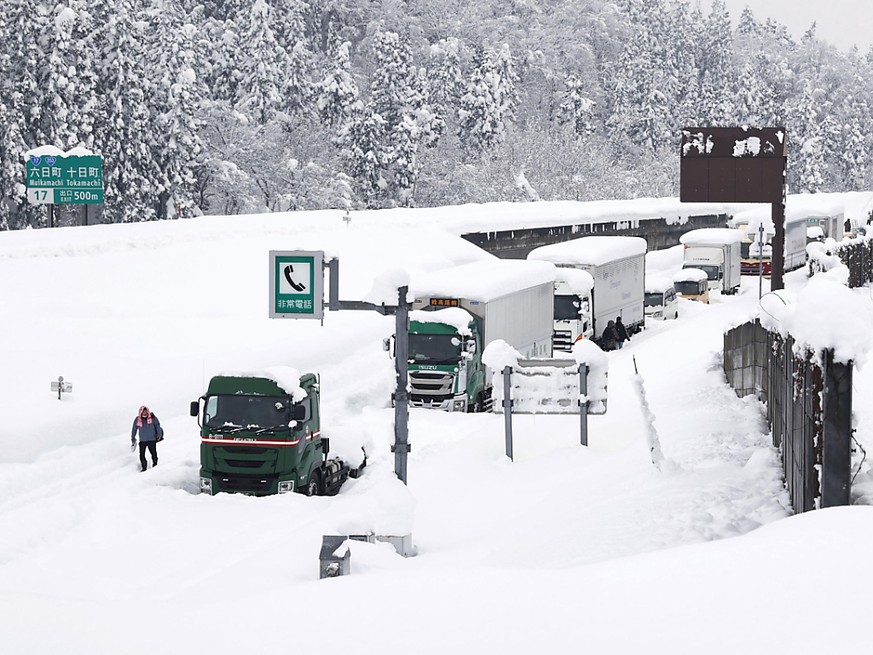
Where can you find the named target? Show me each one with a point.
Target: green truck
(458, 311)
(260, 434)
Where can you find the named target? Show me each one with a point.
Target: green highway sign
(59, 180)
(296, 284)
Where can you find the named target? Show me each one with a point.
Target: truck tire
(314, 486)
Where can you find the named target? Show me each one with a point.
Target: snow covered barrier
(589, 353)
(548, 386)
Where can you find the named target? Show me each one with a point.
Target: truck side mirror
(470, 346)
(195, 407)
(298, 413)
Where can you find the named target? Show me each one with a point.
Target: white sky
(839, 22)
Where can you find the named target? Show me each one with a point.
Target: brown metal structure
(738, 164)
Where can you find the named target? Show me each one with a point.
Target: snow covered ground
(564, 548)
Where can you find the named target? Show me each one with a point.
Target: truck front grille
(562, 340)
(431, 383)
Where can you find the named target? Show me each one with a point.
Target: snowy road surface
(564, 547)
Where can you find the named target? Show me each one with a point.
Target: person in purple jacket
(150, 432)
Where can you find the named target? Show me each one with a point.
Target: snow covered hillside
(565, 547)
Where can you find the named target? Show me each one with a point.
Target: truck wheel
(314, 487)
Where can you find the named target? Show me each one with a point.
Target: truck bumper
(250, 485)
(455, 404)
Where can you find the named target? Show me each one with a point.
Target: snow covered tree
(176, 94)
(263, 65)
(446, 77)
(66, 78)
(577, 108)
(362, 140)
(398, 111)
(338, 92)
(130, 180)
(481, 114)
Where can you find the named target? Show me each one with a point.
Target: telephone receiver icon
(287, 272)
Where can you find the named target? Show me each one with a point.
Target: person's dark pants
(153, 450)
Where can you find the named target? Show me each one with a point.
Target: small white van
(661, 301)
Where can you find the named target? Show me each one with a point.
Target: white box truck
(716, 251)
(617, 265)
(458, 311)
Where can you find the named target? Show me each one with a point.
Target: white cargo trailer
(618, 266)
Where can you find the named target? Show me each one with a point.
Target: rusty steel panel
(694, 180)
(738, 164)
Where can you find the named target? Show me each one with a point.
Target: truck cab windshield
(434, 348)
(237, 413)
(567, 308)
(688, 288)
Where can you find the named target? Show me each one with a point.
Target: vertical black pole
(777, 260)
(583, 407)
(507, 409)
(401, 396)
(52, 215)
(86, 213)
(837, 418)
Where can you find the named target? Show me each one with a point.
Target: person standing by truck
(150, 433)
(609, 339)
(621, 334)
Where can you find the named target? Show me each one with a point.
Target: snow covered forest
(241, 106)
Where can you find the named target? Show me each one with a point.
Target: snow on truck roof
(455, 316)
(285, 377)
(711, 236)
(689, 275)
(590, 251)
(801, 206)
(658, 283)
(485, 280)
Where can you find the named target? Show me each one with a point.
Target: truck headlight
(286, 487)
(459, 405)
(206, 485)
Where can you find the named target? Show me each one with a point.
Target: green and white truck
(460, 310)
(260, 434)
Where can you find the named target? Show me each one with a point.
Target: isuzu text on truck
(260, 434)
(460, 310)
(618, 268)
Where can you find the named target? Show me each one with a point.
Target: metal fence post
(837, 419)
(401, 396)
(507, 409)
(583, 406)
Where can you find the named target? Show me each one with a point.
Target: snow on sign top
(711, 236)
(590, 251)
(53, 151)
(483, 281)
